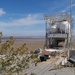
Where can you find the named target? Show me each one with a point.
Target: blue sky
(26, 17)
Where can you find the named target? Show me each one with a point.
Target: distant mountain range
(26, 37)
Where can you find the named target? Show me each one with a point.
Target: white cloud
(38, 32)
(68, 8)
(2, 12)
(6, 27)
(29, 20)
(15, 32)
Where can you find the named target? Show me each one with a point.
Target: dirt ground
(32, 44)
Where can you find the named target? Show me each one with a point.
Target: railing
(57, 35)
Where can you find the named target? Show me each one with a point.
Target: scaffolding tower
(55, 36)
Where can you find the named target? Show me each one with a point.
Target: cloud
(29, 20)
(30, 25)
(16, 32)
(68, 8)
(2, 12)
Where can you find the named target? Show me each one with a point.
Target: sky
(26, 17)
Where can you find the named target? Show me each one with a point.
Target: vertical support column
(70, 22)
(46, 31)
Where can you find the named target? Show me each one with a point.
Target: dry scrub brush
(14, 61)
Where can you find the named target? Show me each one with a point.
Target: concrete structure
(48, 68)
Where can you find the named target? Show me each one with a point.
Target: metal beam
(57, 35)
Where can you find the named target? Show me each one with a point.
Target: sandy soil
(32, 44)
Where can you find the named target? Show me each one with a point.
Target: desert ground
(46, 67)
(32, 44)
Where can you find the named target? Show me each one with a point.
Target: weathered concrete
(48, 68)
